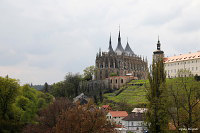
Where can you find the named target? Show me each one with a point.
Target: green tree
(184, 95)
(71, 83)
(156, 115)
(46, 87)
(67, 88)
(8, 91)
(89, 72)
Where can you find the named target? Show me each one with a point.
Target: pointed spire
(99, 51)
(128, 49)
(119, 37)
(110, 49)
(158, 44)
(119, 50)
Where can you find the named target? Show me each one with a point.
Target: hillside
(133, 94)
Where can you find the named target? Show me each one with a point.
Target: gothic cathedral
(121, 62)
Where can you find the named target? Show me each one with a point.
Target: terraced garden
(134, 93)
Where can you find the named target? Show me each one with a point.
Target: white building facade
(175, 64)
(116, 116)
(134, 122)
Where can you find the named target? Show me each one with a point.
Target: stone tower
(120, 62)
(158, 54)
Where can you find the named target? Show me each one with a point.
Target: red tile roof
(118, 113)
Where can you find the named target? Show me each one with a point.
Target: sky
(42, 40)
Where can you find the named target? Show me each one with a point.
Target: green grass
(132, 95)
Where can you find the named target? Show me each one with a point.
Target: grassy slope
(136, 94)
(132, 95)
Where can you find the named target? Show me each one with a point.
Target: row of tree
(19, 104)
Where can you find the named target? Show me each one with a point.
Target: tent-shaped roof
(119, 50)
(128, 50)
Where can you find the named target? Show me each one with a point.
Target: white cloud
(40, 41)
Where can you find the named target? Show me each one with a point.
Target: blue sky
(41, 41)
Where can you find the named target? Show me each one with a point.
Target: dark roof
(128, 50)
(83, 101)
(134, 117)
(110, 49)
(158, 52)
(119, 49)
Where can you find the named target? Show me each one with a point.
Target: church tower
(158, 54)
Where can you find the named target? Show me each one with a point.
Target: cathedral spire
(110, 49)
(119, 50)
(119, 37)
(128, 49)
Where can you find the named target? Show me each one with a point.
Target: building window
(116, 80)
(192, 68)
(111, 81)
(132, 123)
(121, 80)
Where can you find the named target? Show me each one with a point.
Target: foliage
(19, 104)
(47, 117)
(183, 102)
(84, 119)
(67, 88)
(46, 87)
(8, 91)
(65, 116)
(156, 114)
(89, 72)
(197, 78)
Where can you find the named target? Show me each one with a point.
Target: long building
(181, 65)
(190, 62)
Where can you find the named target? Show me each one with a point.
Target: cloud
(41, 41)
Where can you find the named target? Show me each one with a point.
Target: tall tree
(72, 80)
(184, 103)
(89, 72)
(46, 87)
(8, 91)
(156, 115)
